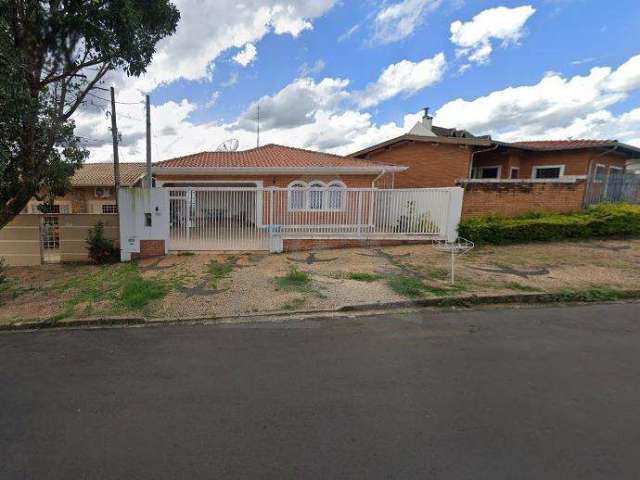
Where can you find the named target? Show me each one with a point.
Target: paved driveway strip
(500, 393)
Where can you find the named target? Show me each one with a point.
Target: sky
(338, 76)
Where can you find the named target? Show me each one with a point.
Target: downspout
(473, 155)
(373, 183)
(587, 190)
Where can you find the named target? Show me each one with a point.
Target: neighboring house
(92, 189)
(507, 178)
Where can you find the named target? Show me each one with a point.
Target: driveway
(486, 394)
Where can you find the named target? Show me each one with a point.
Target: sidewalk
(218, 286)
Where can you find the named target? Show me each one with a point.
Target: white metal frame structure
(239, 219)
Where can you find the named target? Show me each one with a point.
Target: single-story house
(506, 178)
(271, 166)
(92, 189)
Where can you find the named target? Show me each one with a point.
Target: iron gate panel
(217, 219)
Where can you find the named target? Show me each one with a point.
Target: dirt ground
(222, 285)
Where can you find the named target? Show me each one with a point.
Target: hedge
(605, 220)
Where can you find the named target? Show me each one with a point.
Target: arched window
(297, 195)
(316, 196)
(335, 195)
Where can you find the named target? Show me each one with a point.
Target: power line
(107, 100)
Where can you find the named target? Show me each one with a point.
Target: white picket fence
(209, 218)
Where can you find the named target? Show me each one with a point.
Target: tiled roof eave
(318, 170)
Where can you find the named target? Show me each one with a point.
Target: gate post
(454, 213)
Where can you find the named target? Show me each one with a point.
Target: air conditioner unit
(103, 192)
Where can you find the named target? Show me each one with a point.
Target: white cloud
(404, 77)
(627, 77)
(296, 103)
(399, 21)
(555, 107)
(247, 55)
(307, 70)
(213, 99)
(349, 33)
(474, 38)
(208, 28)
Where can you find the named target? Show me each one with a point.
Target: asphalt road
(488, 394)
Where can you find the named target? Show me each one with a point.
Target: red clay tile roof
(269, 157)
(101, 174)
(563, 144)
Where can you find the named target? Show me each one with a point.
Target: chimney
(424, 128)
(427, 120)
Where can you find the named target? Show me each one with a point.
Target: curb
(461, 301)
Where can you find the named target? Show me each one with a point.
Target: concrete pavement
(493, 393)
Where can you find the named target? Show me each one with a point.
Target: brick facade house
(92, 189)
(500, 177)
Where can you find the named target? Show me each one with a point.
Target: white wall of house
(138, 207)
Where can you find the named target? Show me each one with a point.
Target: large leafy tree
(52, 54)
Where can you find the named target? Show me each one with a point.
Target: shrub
(600, 221)
(101, 250)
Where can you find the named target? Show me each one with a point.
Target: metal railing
(615, 187)
(203, 218)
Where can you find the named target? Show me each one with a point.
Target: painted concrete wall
(134, 205)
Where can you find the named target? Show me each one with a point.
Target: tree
(52, 55)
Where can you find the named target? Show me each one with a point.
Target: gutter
(473, 155)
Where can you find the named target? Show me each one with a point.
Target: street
(534, 393)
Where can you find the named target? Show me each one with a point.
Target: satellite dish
(230, 145)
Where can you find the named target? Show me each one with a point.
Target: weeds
(363, 277)
(407, 286)
(599, 293)
(294, 304)
(120, 286)
(295, 280)
(521, 287)
(218, 270)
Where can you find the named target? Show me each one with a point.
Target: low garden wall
(21, 242)
(510, 198)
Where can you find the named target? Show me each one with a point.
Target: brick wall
(149, 249)
(512, 199)
(430, 164)
(576, 162)
(301, 245)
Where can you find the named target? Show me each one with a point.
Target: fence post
(359, 213)
(454, 213)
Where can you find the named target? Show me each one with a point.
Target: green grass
(120, 287)
(137, 292)
(295, 280)
(407, 286)
(218, 270)
(363, 277)
(293, 304)
(598, 293)
(521, 287)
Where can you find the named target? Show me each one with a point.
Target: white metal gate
(238, 219)
(223, 219)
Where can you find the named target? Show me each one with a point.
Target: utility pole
(148, 181)
(114, 133)
(258, 125)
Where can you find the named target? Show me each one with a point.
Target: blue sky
(339, 75)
